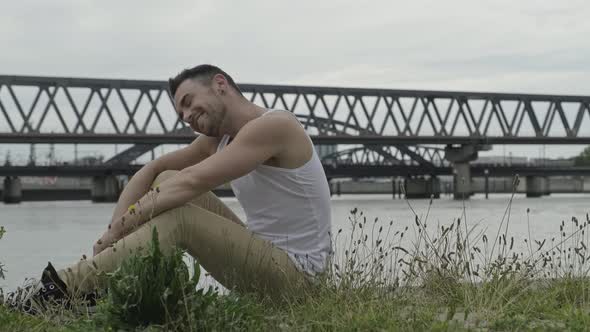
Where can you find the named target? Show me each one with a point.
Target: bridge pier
(422, 187)
(460, 158)
(13, 190)
(105, 189)
(536, 186)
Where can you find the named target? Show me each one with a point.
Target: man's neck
(240, 114)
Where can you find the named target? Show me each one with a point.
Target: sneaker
(35, 294)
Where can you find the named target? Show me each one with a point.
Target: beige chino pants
(210, 232)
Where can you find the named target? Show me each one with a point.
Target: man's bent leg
(232, 254)
(86, 275)
(210, 232)
(207, 201)
(236, 257)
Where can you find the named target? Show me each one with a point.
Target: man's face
(200, 107)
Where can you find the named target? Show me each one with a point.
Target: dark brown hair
(204, 73)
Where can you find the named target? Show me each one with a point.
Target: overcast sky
(500, 46)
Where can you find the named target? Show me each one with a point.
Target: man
(274, 172)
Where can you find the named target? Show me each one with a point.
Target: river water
(60, 232)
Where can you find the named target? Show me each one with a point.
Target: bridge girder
(77, 110)
(390, 155)
(126, 107)
(129, 155)
(332, 171)
(324, 126)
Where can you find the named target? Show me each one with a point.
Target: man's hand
(105, 240)
(120, 227)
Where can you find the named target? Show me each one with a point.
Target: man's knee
(165, 175)
(168, 225)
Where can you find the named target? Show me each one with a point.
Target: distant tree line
(583, 159)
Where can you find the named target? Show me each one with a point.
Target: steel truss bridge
(332, 171)
(377, 128)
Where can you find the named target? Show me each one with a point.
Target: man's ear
(219, 81)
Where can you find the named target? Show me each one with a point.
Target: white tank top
(290, 208)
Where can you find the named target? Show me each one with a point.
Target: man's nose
(187, 117)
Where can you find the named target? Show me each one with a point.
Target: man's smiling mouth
(196, 121)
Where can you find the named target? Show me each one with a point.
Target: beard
(212, 121)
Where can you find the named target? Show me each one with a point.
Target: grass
(451, 277)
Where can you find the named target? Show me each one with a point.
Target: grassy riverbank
(558, 306)
(448, 277)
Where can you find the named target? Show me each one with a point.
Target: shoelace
(22, 297)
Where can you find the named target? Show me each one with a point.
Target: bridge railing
(56, 109)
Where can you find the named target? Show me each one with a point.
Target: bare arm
(140, 183)
(135, 189)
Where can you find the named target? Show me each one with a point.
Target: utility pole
(51, 154)
(32, 155)
(7, 161)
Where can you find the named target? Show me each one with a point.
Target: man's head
(200, 97)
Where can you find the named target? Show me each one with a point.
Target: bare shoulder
(284, 115)
(275, 125)
(287, 121)
(281, 133)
